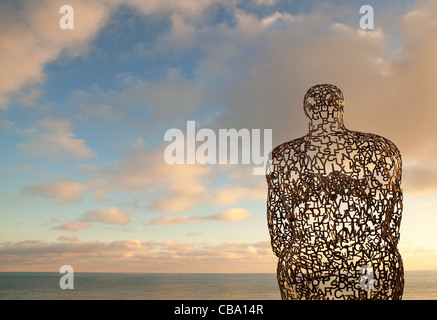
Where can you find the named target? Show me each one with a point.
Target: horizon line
(130, 272)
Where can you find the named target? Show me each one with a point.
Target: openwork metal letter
(334, 208)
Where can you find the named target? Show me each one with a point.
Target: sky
(83, 114)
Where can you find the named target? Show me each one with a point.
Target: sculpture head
(324, 103)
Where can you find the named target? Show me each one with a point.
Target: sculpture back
(334, 208)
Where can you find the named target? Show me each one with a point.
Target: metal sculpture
(334, 208)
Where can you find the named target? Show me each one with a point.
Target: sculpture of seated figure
(334, 208)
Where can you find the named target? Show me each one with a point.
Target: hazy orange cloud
(232, 214)
(68, 239)
(172, 188)
(136, 256)
(105, 215)
(167, 256)
(64, 191)
(73, 226)
(110, 215)
(231, 194)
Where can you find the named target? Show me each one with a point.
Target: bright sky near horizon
(83, 113)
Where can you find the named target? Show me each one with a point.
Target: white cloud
(277, 17)
(31, 37)
(266, 2)
(54, 138)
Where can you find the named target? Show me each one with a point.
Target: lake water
(419, 285)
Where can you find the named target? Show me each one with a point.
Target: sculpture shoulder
(287, 150)
(283, 154)
(376, 144)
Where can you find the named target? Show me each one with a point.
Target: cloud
(64, 191)
(105, 215)
(387, 92)
(180, 37)
(195, 234)
(6, 124)
(54, 138)
(233, 214)
(276, 18)
(167, 256)
(31, 37)
(257, 70)
(167, 220)
(191, 8)
(73, 226)
(110, 215)
(276, 65)
(168, 98)
(146, 171)
(266, 2)
(420, 178)
(176, 187)
(231, 194)
(68, 239)
(137, 256)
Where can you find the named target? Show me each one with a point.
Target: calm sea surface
(114, 286)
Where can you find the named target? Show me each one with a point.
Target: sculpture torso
(335, 205)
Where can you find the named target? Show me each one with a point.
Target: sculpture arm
(279, 226)
(389, 172)
(396, 200)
